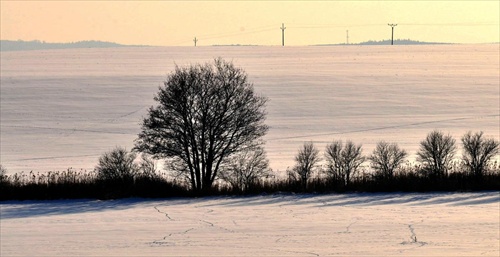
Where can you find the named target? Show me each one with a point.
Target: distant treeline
(20, 45)
(388, 42)
(399, 42)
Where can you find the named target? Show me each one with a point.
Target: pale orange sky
(249, 22)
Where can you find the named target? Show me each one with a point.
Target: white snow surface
(397, 224)
(64, 108)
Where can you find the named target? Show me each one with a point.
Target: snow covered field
(438, 224)
(64, 108)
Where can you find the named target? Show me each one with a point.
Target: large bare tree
(205, 114)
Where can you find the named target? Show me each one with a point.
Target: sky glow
(177, 23)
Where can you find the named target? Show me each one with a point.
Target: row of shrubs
(73, 184)
(120, 173)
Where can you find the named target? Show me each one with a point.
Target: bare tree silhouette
(205, 114)
(343, 161)
(478, 151)
(245, 168)
(117, 165)
(386, 158)
(436, 153)
(306, 162)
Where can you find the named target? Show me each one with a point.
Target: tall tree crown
(205, 113)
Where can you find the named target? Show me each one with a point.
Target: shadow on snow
(26, 209)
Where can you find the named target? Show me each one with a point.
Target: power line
(207, 37)
(236, 33)
(451, 24)
(326, 26)
(392, 37)
(293, 26)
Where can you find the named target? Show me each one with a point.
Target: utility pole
(195, 41)
(283, 34)
(347, 39)
(392, 37)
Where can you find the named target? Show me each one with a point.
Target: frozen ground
(64, 108)
(438, 224)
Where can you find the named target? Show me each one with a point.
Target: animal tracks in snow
(166, 214)
(439, 224)
(300, 225)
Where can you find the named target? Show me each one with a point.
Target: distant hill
(388, 42)
(20, 45)
(399, 42)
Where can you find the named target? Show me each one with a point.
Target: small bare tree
(117, 164)
(147, 167)
(245, 168)
(334, 162)
(386, 158)
(478, 151)
(436, 153)
(306, 161)
(343, 161)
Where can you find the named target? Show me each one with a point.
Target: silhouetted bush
(117, 165)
